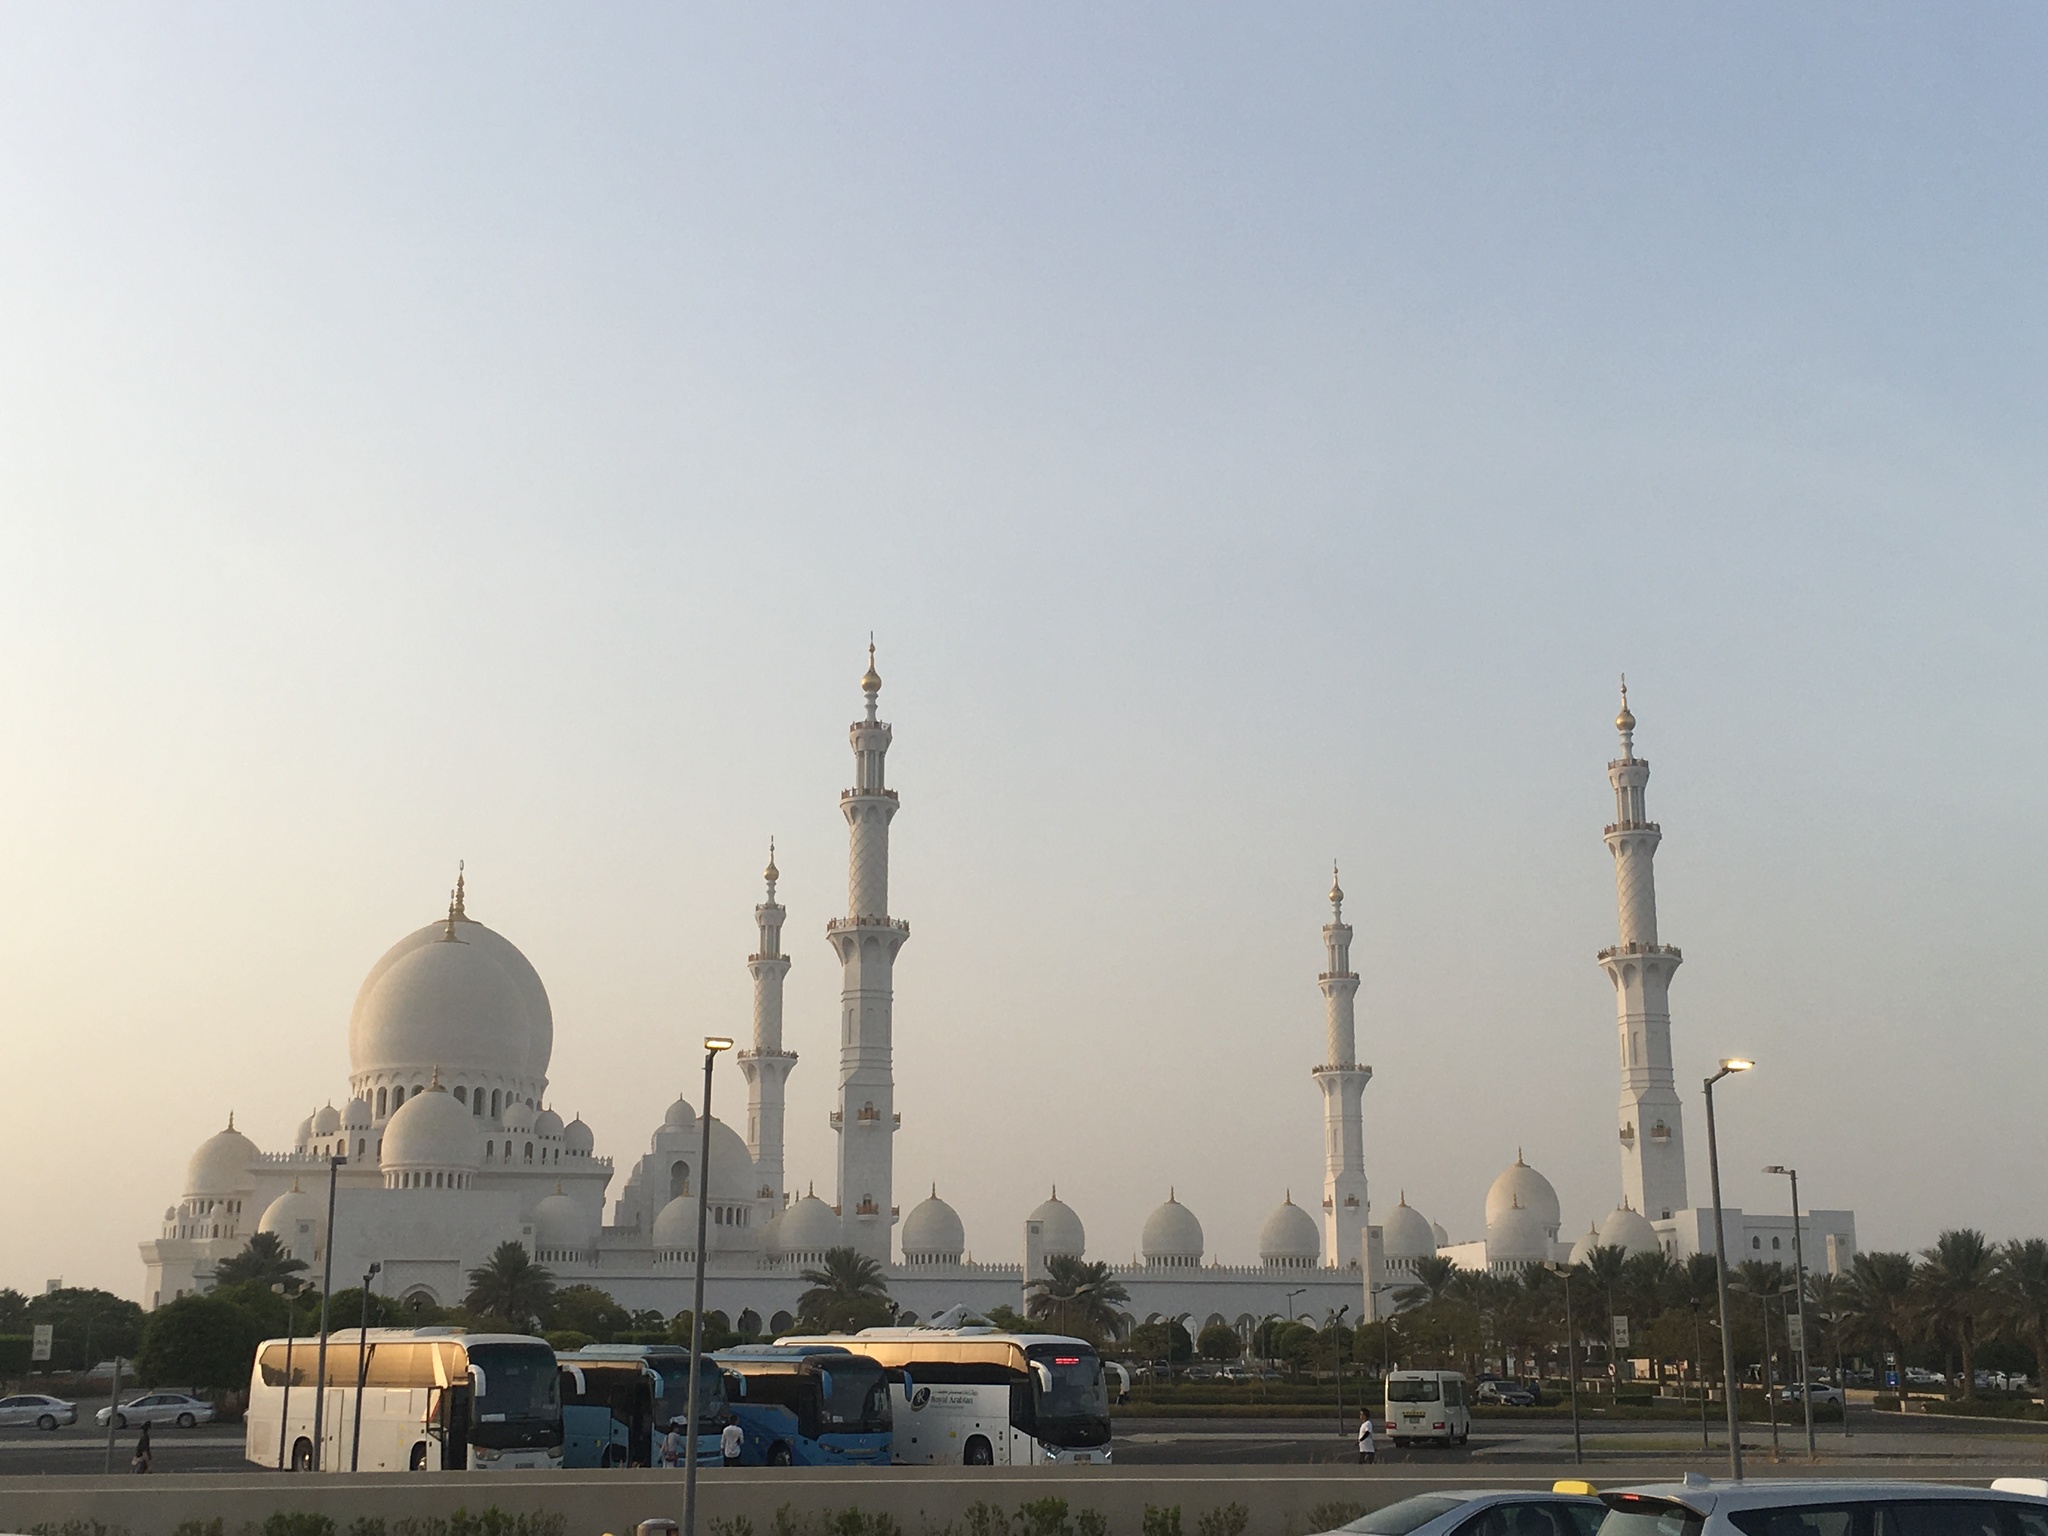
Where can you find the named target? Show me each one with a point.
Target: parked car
(37, 1409)
(1487, 1513)
(1700, 1506)
(1819, 1391)
(177, 1408)
(1508, 1394)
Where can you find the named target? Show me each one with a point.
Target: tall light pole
(1799, 1276)
(713, 1044)
(1571, 1355)
(1336, 1325)
(355, 1439)
(326, 1291)
(284, 1410)
(1732, 1064)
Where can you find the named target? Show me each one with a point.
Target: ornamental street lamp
(326, 1290)
(713, 1044)
(1730, 1065)
(284, 1410)
(1571, 1355)
(355, 1442)
(1799, 1274)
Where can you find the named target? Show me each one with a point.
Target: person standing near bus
(672, 1445)
(731, 1440)
(1366, 1453)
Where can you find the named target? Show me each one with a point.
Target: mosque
(446, 1146)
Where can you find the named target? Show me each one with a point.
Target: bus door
(450, 1424)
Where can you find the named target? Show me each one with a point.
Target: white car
(1483, 1512)
(34, 1408)
(1819, 1391)
(1700, 1506)
(167, 1408)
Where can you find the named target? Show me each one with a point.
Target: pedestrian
(1366, 1454)
(730, 1440)
(141, 1460)
(672, 1445)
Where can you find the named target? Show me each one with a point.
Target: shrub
(297, 1522)
(1043, 1517)
(1091, 1522)
(738, 1525)
(985, 1519)
(1162, 1521)
(1332, 1513)
(1230, 1520)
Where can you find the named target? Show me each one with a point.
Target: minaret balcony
(842, 924)
(1628, 762)
(757, 959)
(1624, 951)
(759, 1055)
(1336, 976)
(1630, 826)
(867, 794)
(1340, 1068)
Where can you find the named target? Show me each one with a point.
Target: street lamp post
(326, 1290)
(1571, 1356)
(713, 1044)
(1732, 1064)
(1699, 1364)
(355, 1439)
(1799, 1275)
(1336, 1325)
(284, 1409)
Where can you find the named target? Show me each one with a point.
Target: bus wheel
(778, 1455)
(613, 1457)
(417, 1462)
(979, 1453)
(302, 1455)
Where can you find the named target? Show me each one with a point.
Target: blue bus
(669, 1366)
(608, 1412)
(809, 1405)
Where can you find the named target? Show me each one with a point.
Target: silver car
(34, 1408)
(167, 1408)
(1488, 1512)
(1846, 1507)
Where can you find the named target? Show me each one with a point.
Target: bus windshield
(518, 1396)
(1072, 1409)
(1412, 1391)
(675, 1391)
(853, 1395)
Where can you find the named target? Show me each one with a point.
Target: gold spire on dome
(434, 1082)
(231, 1119)
(871, 684)
(771, 874)
(1289, 1198)
(460, 914)
(1624, 721)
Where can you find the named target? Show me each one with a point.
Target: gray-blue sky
(1255, 435)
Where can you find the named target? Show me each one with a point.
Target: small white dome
(1628, 1230)
(1516, 1236)
(576, 1137)
(431, 1130)
(304, 1133)
(933, 1230)
(357, 1116)
(1407, 1234)
(547, 1123)
(809, 1226)
(1443, 1238)
(299, 1221)
(519, 1116)
(326, 1120)
(1582, 1250)
(675, 1224)
(559, 1222)
(681, 1116)
(1289, 1236)
(1519, 1184)
(732, 1166)
(221, 1165)
(1171, 1235)
(1060, 1228)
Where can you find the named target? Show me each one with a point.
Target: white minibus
(1428, 1405)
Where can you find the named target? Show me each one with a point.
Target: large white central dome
(457, 996)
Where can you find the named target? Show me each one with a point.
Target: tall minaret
(867, 939)
(767, 1065)
(1652, 1141)
(1343, 1083)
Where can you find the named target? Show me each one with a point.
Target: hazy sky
(1254, 434)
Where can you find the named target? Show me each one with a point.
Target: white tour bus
(433, 1399)
(971, 1396)
(1428, 1405)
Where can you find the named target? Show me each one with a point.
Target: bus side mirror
(909, 1386)
(735, 1384)
(1044, 1375)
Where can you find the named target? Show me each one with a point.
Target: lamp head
(376, 1269)
(1737, 1064)
(1777, 1168)
(715, 1043)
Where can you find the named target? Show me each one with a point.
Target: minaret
(1343, 1082)
(1652, 1141)
(867, 939)
(767, 1066)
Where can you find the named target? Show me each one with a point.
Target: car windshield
(1630, 1515)
(1399, 1519)
(1424, 1391)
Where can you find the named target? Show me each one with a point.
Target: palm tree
(510, 1287)
(263, 1259)
(848, 1291)
(1434, 1279)
(1078, 1297)
(1955, 1289)
(2020, 1305)
(1881, 1305)
(1647, 1281)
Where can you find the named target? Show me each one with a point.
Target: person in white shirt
(672, 1445)
(1366, 1453)
(730, 1440)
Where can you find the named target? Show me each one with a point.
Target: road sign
(45, 1336)
(1621, 1333)
(1795, 1337)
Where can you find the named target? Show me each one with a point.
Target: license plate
(1084, 1459)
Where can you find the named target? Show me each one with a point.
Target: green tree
(1880, 1305)
(1434, 1278)
(718, 1333)
(509, 1288)
(586, 1309)
(262, 1258)
(1219, 1341)
(204, 1342)
(1151, 1341)
(848, 1291)
(13, 1311)
(1954, 1288)
(1078, 1297)
(2020, 1302)
(90, 1325)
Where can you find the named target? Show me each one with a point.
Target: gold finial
(1290, 1196)
(1518, 1159)
(434, 1082)
(1172, 1196)
(871, 684)
(295, 1185)
(1404, 1197)
(771, 874)
(231, 1119)
(1336, 890)
(558, 1187)
(1624, 721)
(461, 916)
(935, 1189)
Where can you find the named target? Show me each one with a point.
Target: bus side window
(1454, 1392)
